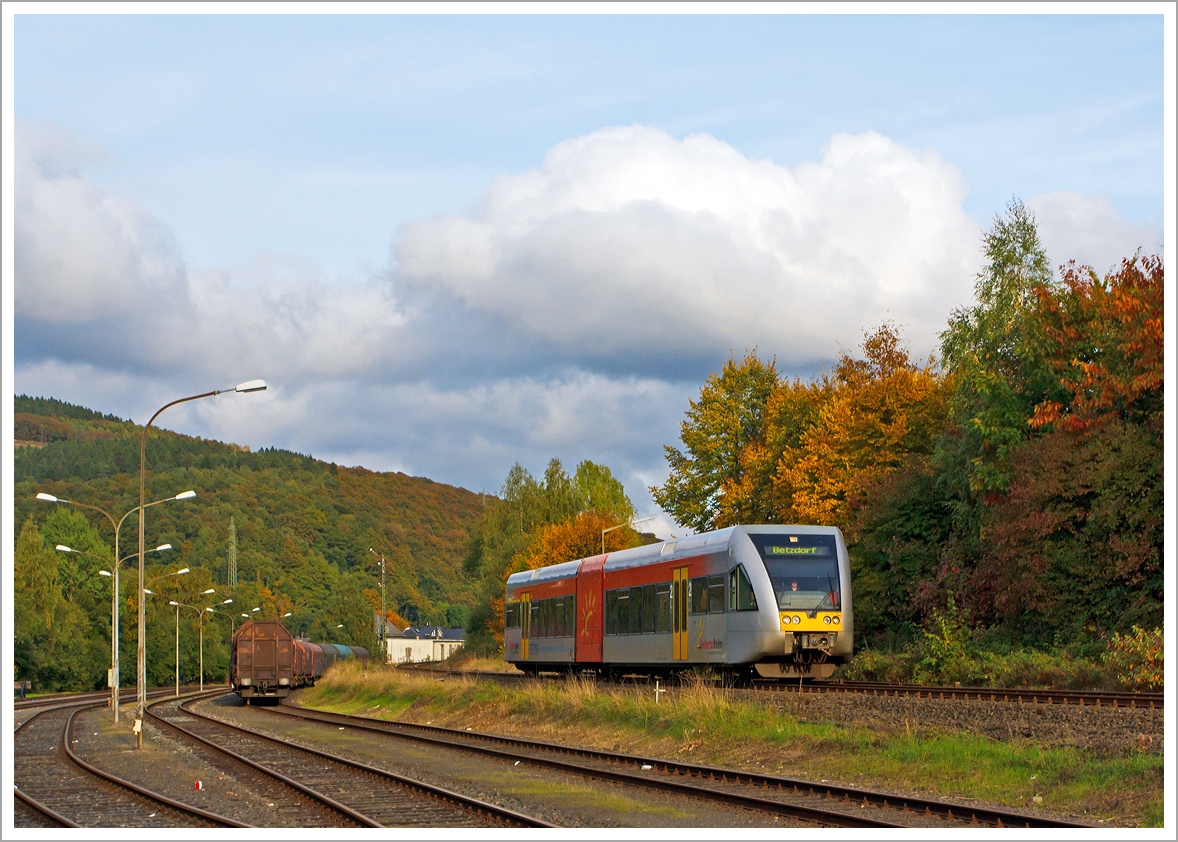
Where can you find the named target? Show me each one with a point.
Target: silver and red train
(266, 661)
(774, 601)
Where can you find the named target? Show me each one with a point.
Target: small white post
(657, 691)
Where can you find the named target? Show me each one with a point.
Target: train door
(679, 612)
(525, 624)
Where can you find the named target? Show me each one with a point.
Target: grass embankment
(704, 724)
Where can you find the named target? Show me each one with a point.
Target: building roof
(435, 632)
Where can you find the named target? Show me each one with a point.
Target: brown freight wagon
(261, 660)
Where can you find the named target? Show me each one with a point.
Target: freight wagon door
(265, 654)
(589, 610)
(284, 655)
(679, 612)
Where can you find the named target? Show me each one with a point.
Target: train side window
(509, 615)
(623, 611)
(611, 612)
(535, 629)
(636, 610)
(740, 591)
(662, 598)
(715, 594)
(570, 616)
(560, 624)
(648, 610)
(699, 595)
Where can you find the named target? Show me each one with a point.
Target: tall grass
(708, 724)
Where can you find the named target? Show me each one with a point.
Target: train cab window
(636, 610)
(611, 612)
(623, 611)
(740, 591)
(662, 599)
(510, 617)
(715, 594)
(699, 595)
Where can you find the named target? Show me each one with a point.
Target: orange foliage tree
(881, 414)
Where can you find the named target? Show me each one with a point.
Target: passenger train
(772, 601)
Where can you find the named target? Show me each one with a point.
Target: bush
(1136, 660)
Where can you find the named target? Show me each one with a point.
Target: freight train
(266, 661)
(769, 601)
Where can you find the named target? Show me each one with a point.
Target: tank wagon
(266, 661)
(773, 601)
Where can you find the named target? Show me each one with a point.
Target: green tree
(987, 349)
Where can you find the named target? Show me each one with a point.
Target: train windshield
(804, 570)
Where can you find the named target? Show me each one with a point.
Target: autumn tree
(728, 417)
(882, 414)
(1076, 543)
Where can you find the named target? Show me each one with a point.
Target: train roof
(564, 570)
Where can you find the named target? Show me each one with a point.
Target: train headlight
(836, 621)
(797, 619)
(284, 681)
(826, 620)
(245, 682)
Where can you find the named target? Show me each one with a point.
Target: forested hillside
(302, 527)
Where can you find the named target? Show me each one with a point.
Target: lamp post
(383, 654)
(619, 526)
(250, 386)
(113, 676)
(179, 572)
(232, 620)
(180, 605)
(114, 608)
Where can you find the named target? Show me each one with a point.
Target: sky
(454, 242)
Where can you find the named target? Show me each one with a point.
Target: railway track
(361, 795)
(806, 800)
(56, 788)
(1081, 698)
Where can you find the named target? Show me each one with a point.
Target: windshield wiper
(828, 598)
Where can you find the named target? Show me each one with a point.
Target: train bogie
(776, 599)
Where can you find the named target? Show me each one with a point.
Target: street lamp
(383, 654)
(179, 572)
(619, 526)
(180, 605)
(249, 386)
(112, 677)
(114, 608)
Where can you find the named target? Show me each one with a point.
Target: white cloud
(627, 240)
(80, 253)
(1089, 230)
(541, 324)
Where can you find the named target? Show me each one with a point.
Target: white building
(421, 644)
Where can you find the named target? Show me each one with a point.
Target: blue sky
(453, 242)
